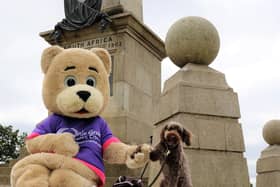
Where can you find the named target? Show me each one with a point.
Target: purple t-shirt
(93, 136)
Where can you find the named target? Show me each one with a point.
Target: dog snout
(172, 138)
(84, 95)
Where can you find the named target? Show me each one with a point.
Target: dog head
(173, 134)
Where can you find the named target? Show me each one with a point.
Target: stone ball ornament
(271, 132)
(192, 40)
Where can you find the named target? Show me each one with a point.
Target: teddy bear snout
(84, 95)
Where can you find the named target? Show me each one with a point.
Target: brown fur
(50, 163)
(176, 170)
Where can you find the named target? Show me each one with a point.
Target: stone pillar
(200, 99)
(135, 80)
(268, 165)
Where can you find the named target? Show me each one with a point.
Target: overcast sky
(249, 56)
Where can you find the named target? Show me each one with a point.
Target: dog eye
(91, 81)
(70, 81)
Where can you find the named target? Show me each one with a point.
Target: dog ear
(186, 137)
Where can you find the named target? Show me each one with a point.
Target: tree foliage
(11, 143)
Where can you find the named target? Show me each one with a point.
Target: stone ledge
(196, 100)
(269, 164)
(196, 75)
(124, 22)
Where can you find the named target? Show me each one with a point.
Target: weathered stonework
(199, 98)
(132, 6)
(268, 165)
(192, 39)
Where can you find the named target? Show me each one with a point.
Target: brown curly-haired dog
(170, 153)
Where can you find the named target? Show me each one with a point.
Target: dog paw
(138, 156)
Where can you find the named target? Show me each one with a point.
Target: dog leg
(165, 183)
(184, 182)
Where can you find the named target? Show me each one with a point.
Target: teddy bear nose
(84, 95)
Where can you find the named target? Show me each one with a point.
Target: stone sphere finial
(192, 40)
(271, 132)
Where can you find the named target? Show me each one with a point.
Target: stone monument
(80, 14)
(196, 96)
(133, 7)
(136, 72)
(268, 165)
(199, 97)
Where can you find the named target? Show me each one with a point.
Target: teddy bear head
(76, 81)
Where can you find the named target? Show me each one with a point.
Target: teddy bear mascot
(69, 146)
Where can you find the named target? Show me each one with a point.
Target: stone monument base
(199, 98)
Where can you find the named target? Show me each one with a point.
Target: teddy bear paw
(138, 156)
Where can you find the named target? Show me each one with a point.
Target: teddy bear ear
(105, 56)
(48, 55)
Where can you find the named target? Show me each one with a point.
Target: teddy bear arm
(42, 143)
(116, 153)
(63, 144)
(138, 157)
(134, 156)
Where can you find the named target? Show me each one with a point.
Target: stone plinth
(135, 80)
(199, 98)
(119, 6)
(205, 91)
(268, 165)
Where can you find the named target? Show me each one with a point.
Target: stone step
(4, 180)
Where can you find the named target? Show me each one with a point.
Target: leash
(124, 181)
(158, 174)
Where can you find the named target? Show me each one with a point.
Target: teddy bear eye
(70, 81)
(91, 81)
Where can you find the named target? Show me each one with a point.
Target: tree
(11, 143)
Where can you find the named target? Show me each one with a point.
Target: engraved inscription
(107, 42)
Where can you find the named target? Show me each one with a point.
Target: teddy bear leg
(68, 178)
(32, 175)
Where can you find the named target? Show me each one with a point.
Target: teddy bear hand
(66, 145)
(138, 156)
